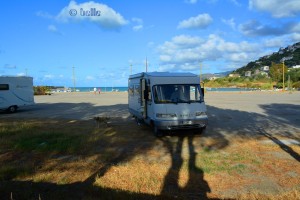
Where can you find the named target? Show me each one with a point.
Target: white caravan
(167, 101)
(15, 92)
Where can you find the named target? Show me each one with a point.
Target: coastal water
(124, 89)
(229, 89)
(103, 89)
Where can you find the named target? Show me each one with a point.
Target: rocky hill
(290, 55)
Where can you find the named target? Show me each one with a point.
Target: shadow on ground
(224, 125)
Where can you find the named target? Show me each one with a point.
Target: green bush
(41, 90)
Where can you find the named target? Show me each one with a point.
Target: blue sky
(46, 39)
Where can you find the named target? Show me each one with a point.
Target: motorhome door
(144, 98)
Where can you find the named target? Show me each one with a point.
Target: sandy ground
(230, 113)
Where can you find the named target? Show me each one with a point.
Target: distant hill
(290, 55)
(219, 75)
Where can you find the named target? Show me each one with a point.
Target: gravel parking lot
(230, 113)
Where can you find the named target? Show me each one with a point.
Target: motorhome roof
(163, 74)
(7, 76)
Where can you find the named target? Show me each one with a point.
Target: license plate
(187, 122)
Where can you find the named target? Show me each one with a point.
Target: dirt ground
(250, 149)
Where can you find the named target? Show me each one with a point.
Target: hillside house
(248, 73)
(234, 75)
(296, 67)
(213, 78)
(265, 68)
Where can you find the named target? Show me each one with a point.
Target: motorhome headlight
(169, 115)
(198, 114)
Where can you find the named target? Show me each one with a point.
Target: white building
(234, 75)
(213, 78)
(296, 67)
(248, 73)
(265, 68)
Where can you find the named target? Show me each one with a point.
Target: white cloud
(44, 15)
(176, 56)
(230, 22)
(235, 2)
(137, 20)
(100, 14)
(52, 28)
(274, 42)
(255, 28)
(237, 57)
(191, 1)
(186, 41)
(21, 74)
(137, 27)
(48, 76)
(90, 78)
(150, 44)
(199, 22)
(139, 24)
(277, 8)
(295, 37)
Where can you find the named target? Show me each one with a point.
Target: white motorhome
(167, 101)
(15, 92)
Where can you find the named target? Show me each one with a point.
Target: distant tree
(294, 75)
(276, 71)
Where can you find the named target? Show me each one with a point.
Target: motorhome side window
(136, 89)
(4, 87)
(177, 93)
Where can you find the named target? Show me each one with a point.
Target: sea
(125, 89)
(230, 89)
(103, 89)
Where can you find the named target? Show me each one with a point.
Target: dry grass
(125, 161)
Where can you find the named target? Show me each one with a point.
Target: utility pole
(26, 72)
(200, 72)
(74, 82)
(289, 83)
(283, 88)
(146, 65)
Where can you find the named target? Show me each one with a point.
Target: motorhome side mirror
(202, 90)
(146, 96)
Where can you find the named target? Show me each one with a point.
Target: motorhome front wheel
(12, 109)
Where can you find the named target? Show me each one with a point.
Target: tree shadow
(75, 111)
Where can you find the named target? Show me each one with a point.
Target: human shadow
(196, 187)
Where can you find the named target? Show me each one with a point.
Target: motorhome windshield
(177, 93)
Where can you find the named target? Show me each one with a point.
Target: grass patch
(216, 161)
(49, 142)
(34, 136)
